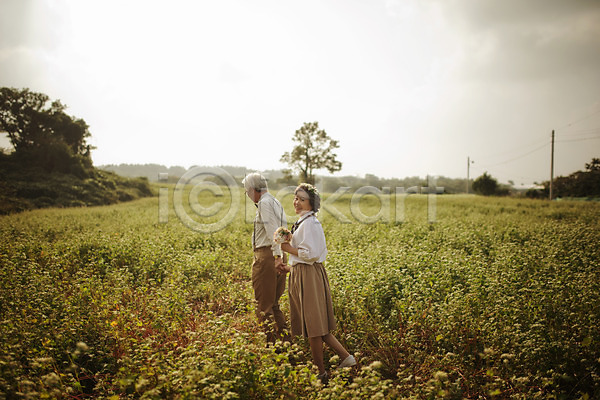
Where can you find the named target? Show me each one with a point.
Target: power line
(572, 139)
(534, 143)
(566, 137)
(581, 132)
(510, 175)
(579, 120)
(520, 156)
(579, 139)
(584, 134)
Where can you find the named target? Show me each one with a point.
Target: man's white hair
(255, 181)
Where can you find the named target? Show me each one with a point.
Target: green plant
(500, 298)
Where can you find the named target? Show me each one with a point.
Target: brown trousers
(268, 287)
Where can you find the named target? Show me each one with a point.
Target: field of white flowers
(498, 298)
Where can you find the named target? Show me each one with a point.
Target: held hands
(283, 268)
(280, 266)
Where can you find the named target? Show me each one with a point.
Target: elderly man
(267, 282)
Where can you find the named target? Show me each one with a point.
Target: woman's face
(301, 202)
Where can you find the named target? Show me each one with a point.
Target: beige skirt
(311, 308)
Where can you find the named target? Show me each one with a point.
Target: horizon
(5, 143)
(357, 176)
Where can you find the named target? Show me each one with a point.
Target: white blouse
(309, 239)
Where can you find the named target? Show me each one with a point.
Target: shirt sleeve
(312, 241)
(272, 220)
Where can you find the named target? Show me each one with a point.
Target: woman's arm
(288, 248)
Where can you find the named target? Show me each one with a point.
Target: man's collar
(262, 196)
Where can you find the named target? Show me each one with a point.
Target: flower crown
(307, 187)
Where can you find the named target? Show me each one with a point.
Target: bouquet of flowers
(282, 235)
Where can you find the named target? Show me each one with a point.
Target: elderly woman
(311, 308)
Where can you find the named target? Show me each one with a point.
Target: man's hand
(283, 268)
(280, 266)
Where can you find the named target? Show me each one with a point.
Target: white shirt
(269, 217)
(309, 239)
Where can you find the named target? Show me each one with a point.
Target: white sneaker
(348, 362)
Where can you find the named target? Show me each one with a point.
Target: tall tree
(31, 123)
(313, 151)
(42, 134)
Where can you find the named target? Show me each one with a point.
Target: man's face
(252, 195)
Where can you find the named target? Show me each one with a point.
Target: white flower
(282, 235)
(81, 346)
(440, 376)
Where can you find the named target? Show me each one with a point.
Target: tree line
(578, 184)
(279, 178)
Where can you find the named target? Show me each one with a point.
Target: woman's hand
(284, 268)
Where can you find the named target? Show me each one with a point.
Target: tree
(485, 185)
(579, 184)
(314, 150)
(42, 134)
(30, 123)
(593, 166)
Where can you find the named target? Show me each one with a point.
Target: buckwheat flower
(82, 347)
(440, 376)
(51, 379)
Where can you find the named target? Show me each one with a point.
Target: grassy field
(498, 298)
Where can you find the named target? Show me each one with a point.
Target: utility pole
(468, 168)
(552, 164)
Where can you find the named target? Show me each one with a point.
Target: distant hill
(148, 171)
(277, 178)
(25, 187)
(153, 172)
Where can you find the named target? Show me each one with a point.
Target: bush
(485, 185)
(28, 187)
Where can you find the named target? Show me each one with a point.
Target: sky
(407, 87)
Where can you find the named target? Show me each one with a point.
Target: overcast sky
(408, 87)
